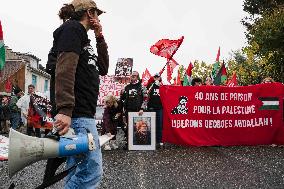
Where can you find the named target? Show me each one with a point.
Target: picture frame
(142, 131)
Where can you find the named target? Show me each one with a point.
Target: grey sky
(132, 26)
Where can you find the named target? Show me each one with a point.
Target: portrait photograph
(141, 134)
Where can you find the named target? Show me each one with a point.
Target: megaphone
(25, 150)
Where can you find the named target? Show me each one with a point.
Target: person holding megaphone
(76, 78)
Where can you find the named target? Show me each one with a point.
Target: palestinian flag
(216, 66)
(221, 77)
(2, 49)
(186, 80)
(269, 103)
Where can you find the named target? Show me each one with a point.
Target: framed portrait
(142, 131)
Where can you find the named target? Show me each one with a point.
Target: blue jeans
(88, 174)
(15, 119)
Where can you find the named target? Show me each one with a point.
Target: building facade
(21, 70)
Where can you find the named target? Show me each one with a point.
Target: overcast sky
(130, 28)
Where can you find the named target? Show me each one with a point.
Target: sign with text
(124, 67)
(108, 86)
(219, 115)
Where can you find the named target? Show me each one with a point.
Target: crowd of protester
(15, 109)
(138, 98)
(10, 113)
(15, 112)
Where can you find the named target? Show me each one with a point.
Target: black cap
(17, 90)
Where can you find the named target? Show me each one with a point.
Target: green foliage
(201, 70)
(266, 37)
(256, 8)
(181, 71)
(249, 68)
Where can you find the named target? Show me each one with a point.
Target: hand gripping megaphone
(25, 150)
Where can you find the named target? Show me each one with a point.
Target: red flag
(8, 86)
(170, 68)
(189, 69)
(1, 32)
(233, 82)
(218, 55)
(166, 47)
(145, 77)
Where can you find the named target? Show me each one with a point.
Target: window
(34, 80)
(45, 85)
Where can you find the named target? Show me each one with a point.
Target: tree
(249, 68)
(256, 8)
(201, 70)
(266, 35)
(246, 71)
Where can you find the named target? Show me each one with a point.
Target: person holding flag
(154, 104)
(221, 77)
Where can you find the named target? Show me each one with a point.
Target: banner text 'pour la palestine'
(246, 107)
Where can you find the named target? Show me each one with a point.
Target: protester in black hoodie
(154, 104)
(77, 84)
(132, 97)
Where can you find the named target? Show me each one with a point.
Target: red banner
(220, 115)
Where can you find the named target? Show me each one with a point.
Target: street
(176, 167)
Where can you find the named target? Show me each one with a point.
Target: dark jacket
(133, 97)
(110, 121)
(77, 70)
(5, 112)
(154, 100)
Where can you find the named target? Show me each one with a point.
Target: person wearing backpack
(76, 85)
